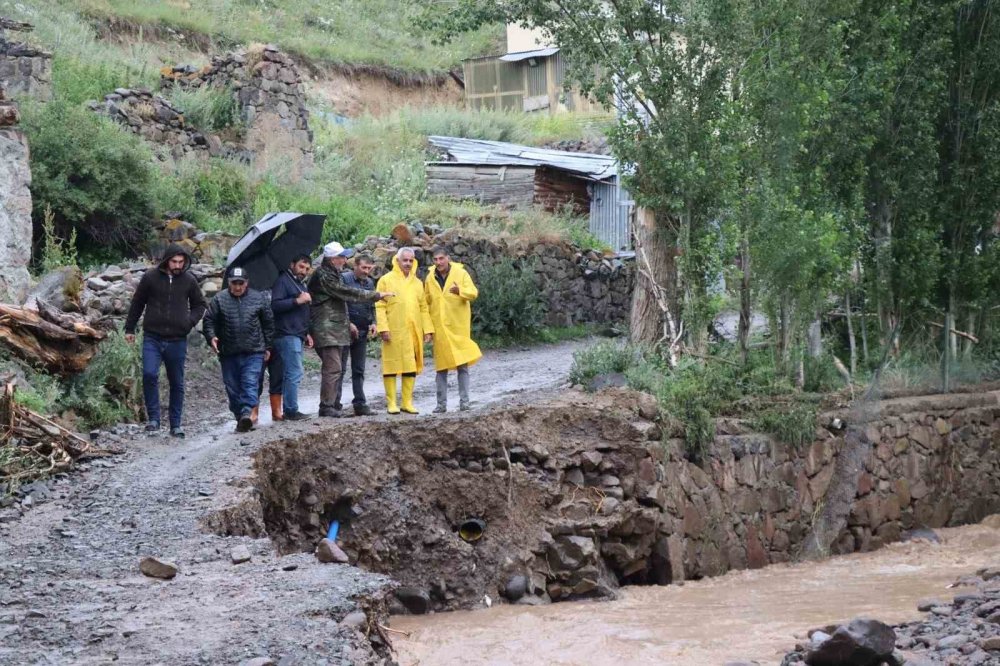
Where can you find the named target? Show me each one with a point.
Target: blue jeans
(290, 347)
(170, 353)
(241, 375)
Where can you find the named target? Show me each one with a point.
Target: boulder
(863, 642)
(402, 234)
(240, 554)
(414, 600)
(328, 552)
(157, 568)
(61, 289)
(516, 587)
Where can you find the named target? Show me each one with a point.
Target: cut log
(62, 348)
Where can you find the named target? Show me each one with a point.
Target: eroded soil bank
(581, 494)
(741, 616)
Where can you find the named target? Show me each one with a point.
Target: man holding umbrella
(329, 323)
(274, 254)
(239, 327)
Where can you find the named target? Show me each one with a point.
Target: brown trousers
(329, 375)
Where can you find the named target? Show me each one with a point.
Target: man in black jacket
(240, 328)
(362, 317)
(173, 304)
(290, 299)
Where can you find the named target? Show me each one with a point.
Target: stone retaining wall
(577, 285)
(583, 494)
(934, 462)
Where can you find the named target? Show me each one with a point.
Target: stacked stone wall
(577, 285)
(267, 90)
(934, 462)
(24, 69)
(157, 120)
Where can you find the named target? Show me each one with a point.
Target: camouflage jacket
(328, 321)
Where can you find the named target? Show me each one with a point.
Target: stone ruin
(156, 119)
(24, 69)
(15, 205)
(268, 91)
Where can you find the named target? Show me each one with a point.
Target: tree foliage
(96, 178)
(840, 152)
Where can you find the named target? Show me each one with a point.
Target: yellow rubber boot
(390, 393)
(408, 383)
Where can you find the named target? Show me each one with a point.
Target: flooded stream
(744, 615)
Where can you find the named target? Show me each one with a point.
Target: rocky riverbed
(962, 631)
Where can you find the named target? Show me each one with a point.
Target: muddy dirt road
(741, 616)
(71, 591)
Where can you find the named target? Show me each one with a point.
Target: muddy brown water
(744, 615)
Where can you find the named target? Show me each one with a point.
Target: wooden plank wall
(554, 189)
(505, 185)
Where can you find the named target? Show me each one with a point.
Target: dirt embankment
(543, 479)
(579, 494)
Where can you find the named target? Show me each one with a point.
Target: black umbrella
(269, 246)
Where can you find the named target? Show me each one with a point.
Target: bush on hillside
(510, 303)
(96, 178)
(210, 109)
(602, 358)
(110, 389)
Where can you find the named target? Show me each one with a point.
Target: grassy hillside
(356, 32)
(369, 172)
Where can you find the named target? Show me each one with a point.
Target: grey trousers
(441, 382)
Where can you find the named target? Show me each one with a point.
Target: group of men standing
(333, 310)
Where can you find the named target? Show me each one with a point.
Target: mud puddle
(744, 615)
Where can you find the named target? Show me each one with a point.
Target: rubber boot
(276, 413)
(390, 394)
(254, 413)
(408, 383)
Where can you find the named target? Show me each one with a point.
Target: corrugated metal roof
(524, 55)
(477, 151)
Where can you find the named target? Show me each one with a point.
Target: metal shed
(519, 176)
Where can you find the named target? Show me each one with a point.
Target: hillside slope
(375, 33)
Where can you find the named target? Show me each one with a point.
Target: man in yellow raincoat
(404, 324)
(450, 292)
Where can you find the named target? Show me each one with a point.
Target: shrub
(210, 109)
(56, 252)
(110, 389)
(214, 196)
(795, 425)
(95, 177)
(510, 303)
(600, 359)
(699, 429)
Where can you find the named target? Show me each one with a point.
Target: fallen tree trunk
(59, 342)
(32, 446)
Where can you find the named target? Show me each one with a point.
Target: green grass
(372, 32)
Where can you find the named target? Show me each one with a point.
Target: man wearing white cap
(328, 320)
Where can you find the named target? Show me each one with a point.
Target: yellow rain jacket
(452, 318)
(407, 319)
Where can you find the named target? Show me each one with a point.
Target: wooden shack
(515, 186)
(516, 176)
